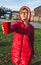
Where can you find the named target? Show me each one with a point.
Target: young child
(22, 48)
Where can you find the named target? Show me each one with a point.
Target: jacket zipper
(21, 49)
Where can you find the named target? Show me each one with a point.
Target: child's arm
(32, 38)
(13, 26)
(8, 27)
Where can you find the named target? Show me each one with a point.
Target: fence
(36, 18)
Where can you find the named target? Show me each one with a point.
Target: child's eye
(23, 12)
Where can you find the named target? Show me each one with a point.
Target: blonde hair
(23, 9)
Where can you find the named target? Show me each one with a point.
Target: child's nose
(24, 13)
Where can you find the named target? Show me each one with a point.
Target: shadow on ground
(5, 44)
(37, 63)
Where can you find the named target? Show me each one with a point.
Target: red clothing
(22, 46)
(23, 42)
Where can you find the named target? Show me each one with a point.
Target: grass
(5, 47)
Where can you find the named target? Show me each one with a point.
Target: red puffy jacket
(23, 42)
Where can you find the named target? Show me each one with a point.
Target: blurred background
(9, 11)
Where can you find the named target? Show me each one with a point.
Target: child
(23, 42)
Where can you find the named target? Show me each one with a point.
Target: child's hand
(3, 29)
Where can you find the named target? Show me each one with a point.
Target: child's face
(24, 14)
